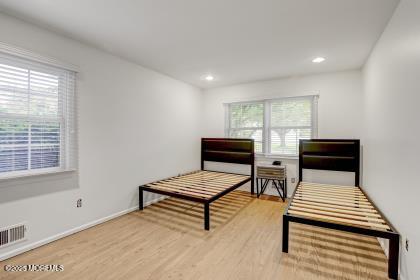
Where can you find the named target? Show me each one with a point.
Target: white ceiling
(235, 40)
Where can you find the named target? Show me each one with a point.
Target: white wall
(339, 109)
(391, 154)
(135, 126)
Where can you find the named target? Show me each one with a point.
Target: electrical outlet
(293, 180)
(79, 203)
(406, 244)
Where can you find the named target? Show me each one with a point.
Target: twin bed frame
(207, 186)
(345, 208)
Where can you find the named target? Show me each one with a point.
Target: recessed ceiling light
(209, 78)
(318, 60)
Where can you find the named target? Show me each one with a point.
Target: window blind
(247, 121)
(37, 117)
(276, 125)
(291, 120)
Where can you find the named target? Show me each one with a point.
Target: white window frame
(68, 127)
(266, 133)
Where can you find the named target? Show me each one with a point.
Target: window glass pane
(291, 112)
(44, 94)
(13, 90)
(291, 120)
(45, 145)
(45, 133)
(13, 145)
(285, 141)
(255, 134)
(13, 158)
(246, 115)
(13, 132)
(45, 156)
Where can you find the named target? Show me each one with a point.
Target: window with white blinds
(290, 121)
(246, 120)
(277, 125)
(37, 118)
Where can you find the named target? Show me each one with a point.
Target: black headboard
(330, 154)
(229, 150)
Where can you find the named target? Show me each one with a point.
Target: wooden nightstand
(274, 173)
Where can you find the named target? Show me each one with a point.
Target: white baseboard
(66, 233)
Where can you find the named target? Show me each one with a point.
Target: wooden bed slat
(157, 186)
(333, 202)
(196, 183)
(190, 188)
(339, 220)
(330, 190)
(203, 182)
(357, 196)
(225, 174)
(213, 175)
(184, 189)
(361, 195)
(326, 197)
(343, 190)
(328, 186)
(336, 214)
(338, 210)
(333, 206)
(216, 179)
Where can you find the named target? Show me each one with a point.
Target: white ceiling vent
(13, 234)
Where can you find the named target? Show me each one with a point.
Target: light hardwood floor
(167, 241)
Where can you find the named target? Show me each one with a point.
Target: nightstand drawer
(271, 172)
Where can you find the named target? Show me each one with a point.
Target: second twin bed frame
(344, 208)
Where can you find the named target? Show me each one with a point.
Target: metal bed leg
(285, 242)
(140, 198)
(207, 216)
(394, 251)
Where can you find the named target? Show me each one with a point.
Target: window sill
(273, 156)
(28, 175)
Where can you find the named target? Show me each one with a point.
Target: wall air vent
(13, 234)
